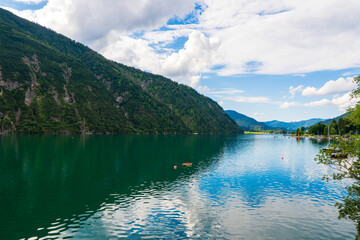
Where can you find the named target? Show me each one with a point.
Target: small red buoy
(175, 167)
(282, 158)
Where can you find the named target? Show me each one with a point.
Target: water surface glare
(113, 187)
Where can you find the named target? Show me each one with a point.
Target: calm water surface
(113, 187)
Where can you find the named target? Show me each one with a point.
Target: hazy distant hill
(50, 83)
(292, 126)
(247, 123)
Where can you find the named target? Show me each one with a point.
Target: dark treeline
(342, 127)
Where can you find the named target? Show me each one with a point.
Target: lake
(113, 187)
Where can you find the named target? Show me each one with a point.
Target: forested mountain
(52, 84)
(247, 123)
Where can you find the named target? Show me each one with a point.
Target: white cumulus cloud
(196, 56)
(284, 37)
(289, 104)
(226, 91)
(87, 21)
(342, 102)
(331, 87)
(243, 36)
(320, 103)
(242, 99)
(184, 66)
(130, 51)
(294, 90)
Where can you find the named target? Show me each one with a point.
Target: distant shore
(248, 132)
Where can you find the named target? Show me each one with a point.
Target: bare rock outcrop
(8, 84)
(67, 72)
(29, 96)
(34, 67)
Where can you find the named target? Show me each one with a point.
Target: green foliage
(300, 132)
(55, 85)
(350, 207)
(326, 131)
(333, 131)
(344, 126)
(345, 167)
(344, 158)
(317, 129)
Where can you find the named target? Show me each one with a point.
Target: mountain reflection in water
(126, 187)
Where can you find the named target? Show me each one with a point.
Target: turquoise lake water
(114, 187)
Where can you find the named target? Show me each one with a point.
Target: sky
(268, 59)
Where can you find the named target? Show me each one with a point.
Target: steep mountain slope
(49, 84)
(247, 123)
(292, 126)
(328, 121)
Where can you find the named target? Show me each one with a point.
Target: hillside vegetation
(52, 84)
(248, 123)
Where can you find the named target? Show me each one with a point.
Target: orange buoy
(175, 167)
(187, 164)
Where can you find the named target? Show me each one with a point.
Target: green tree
(317, 129)
(326, 131)
(299, 132)
(333, 131)
(342, 125)
(334, 125)
(347, 166)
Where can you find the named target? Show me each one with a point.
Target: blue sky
(23, 5)
(268, 59)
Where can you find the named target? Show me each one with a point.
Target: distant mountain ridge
(328, 121)
(247, 123)
(292, 126)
